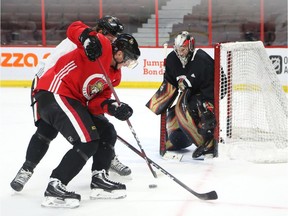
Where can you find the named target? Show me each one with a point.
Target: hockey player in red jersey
(62, 96)
(110, 27)
(191, 120)
(39, 143)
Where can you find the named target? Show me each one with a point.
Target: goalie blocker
(186, 123)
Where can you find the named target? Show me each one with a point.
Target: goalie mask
(110, 25)
(184, 46)
(129, 46)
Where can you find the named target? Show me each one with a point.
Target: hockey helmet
(110, 25)
(129, 46)
(184, 45)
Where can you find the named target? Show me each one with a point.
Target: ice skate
(119, 168)
(104, 188)
(57, 196)
(21, 179)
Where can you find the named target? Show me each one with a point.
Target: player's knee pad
(108, 136)
(106, 130)
(105, 153)
(45, 132)
(177, 139)
(43, 138)
(86, 150)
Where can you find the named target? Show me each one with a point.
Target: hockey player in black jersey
(191, 120)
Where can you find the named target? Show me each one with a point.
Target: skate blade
(55, 202)
(102, 194)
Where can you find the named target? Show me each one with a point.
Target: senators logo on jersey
(93, 85)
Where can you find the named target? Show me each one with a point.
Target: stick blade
(212, 195)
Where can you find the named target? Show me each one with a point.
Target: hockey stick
(212, 195)
(163, 133)
(128, 122)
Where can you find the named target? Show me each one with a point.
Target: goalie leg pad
(186, 122)
(176, 138)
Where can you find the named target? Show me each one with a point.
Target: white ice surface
(243, 188)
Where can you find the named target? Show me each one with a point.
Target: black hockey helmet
(110, 25)
(127, 44)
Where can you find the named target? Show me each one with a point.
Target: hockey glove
(120, 111)
(207, 119)
(91, 44)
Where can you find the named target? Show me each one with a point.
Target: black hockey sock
(29, 166)
(102, 159)
(73, 161)
(69, 167)
(36, 150)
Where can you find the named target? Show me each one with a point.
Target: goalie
(191, 120)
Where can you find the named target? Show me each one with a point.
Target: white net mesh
(253, 115)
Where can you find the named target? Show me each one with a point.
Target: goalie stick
(212, 195)
(163, 133)
(128, 122)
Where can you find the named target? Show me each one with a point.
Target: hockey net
(251, 106)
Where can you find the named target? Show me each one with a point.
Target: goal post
(251, 106)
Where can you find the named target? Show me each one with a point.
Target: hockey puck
(151, 186)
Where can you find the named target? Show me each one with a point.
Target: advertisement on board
(20, 63)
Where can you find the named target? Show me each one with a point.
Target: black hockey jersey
(198, 73)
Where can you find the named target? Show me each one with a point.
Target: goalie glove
(207, 119)
(91, 44)
(120, 111)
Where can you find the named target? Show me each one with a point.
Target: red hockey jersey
(76, 77)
